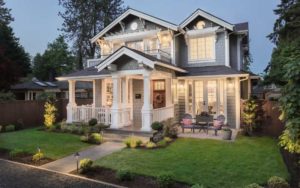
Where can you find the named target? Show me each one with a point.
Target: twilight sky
(37, 21)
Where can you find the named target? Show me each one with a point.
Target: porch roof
(90, 72)
(211, 71)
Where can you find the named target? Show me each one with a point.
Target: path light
(77, 155)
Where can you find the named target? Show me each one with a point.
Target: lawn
(211, 163)
(53, 145)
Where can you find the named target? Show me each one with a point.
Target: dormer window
(202, 49)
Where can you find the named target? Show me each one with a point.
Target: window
(202, 48)
(151, 45)
(138, 45)
(109, 93)
(159, 85)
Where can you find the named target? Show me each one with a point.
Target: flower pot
(227, 134)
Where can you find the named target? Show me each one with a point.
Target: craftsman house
(150, 70)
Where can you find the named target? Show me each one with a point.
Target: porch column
(147, 107)
(72, 102)
(115, 117)
(97, 84)
(238, 102)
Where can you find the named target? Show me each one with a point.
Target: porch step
(121, 135)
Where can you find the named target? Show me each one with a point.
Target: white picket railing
(161, 114)
(85, 113)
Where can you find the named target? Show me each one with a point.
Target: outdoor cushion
(186, 122)
(218, 124)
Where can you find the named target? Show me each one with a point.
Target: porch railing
(161, 114)
(85, 113)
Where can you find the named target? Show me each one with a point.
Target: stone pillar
(147, 107)
(72, 102)
(115, 115)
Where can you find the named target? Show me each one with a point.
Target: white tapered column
(147, 107)
(72, 102)
(115, 109)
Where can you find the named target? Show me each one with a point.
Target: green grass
(209, 162)
(53, 145)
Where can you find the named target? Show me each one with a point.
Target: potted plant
(227, 132)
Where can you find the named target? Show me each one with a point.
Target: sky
(37, 22)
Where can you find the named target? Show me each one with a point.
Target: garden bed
(109, 175)
(23, 158)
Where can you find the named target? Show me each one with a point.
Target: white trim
(227, 57)
(170, 67)
(201, 32)
(132, 36)
(83, 78)
(138, 14)
(208, 16)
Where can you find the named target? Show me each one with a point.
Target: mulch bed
(24, 158)
(108, 175)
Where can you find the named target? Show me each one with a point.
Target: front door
(159, 94)
(138, 95)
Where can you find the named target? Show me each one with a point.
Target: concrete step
(120, 136)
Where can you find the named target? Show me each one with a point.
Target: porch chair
(218, 123)
(187, 123)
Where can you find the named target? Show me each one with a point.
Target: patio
(202, 135)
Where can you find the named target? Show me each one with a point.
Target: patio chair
(218, 123)
(187, 123)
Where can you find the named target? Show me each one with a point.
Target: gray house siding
(219, 52)
(231, 108)
(233, 52)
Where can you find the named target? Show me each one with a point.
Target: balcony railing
(85, 113)
(158, 53)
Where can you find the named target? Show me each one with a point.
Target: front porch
(125, 101)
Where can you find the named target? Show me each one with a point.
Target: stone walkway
(68, 163)
(16, 175)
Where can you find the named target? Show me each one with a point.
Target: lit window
(138, 45)
(201, 48)
(159, 85)
(151, 45)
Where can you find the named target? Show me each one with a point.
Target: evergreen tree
(83, 19)
(14, 61)
(286, 30)
(56, 61)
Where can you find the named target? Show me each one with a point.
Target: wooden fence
(31, 113)
(270, 123)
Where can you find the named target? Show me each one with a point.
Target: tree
(83, 19)
(284, 69)
(14, 61)
(286, 29)
(56, 61)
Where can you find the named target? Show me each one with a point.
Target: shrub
(38, 156)
(16, 152)
(85, 165)
(253, 185)
(124, 175)
(1, 128)
(157, 126)
(277, 182)
(170, 128)
(95, 138)
(93, 122)
(150, 145)
(9, 128)
(19, 124)
(161, 143)
(7, 96)
(197, 186)
(57, 126)
(165, 180)
(132, 142)
(50, 113)
(84, 138)
(168, 139)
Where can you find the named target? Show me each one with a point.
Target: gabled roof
(139, 14)
(208, 16)
(146, 59)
